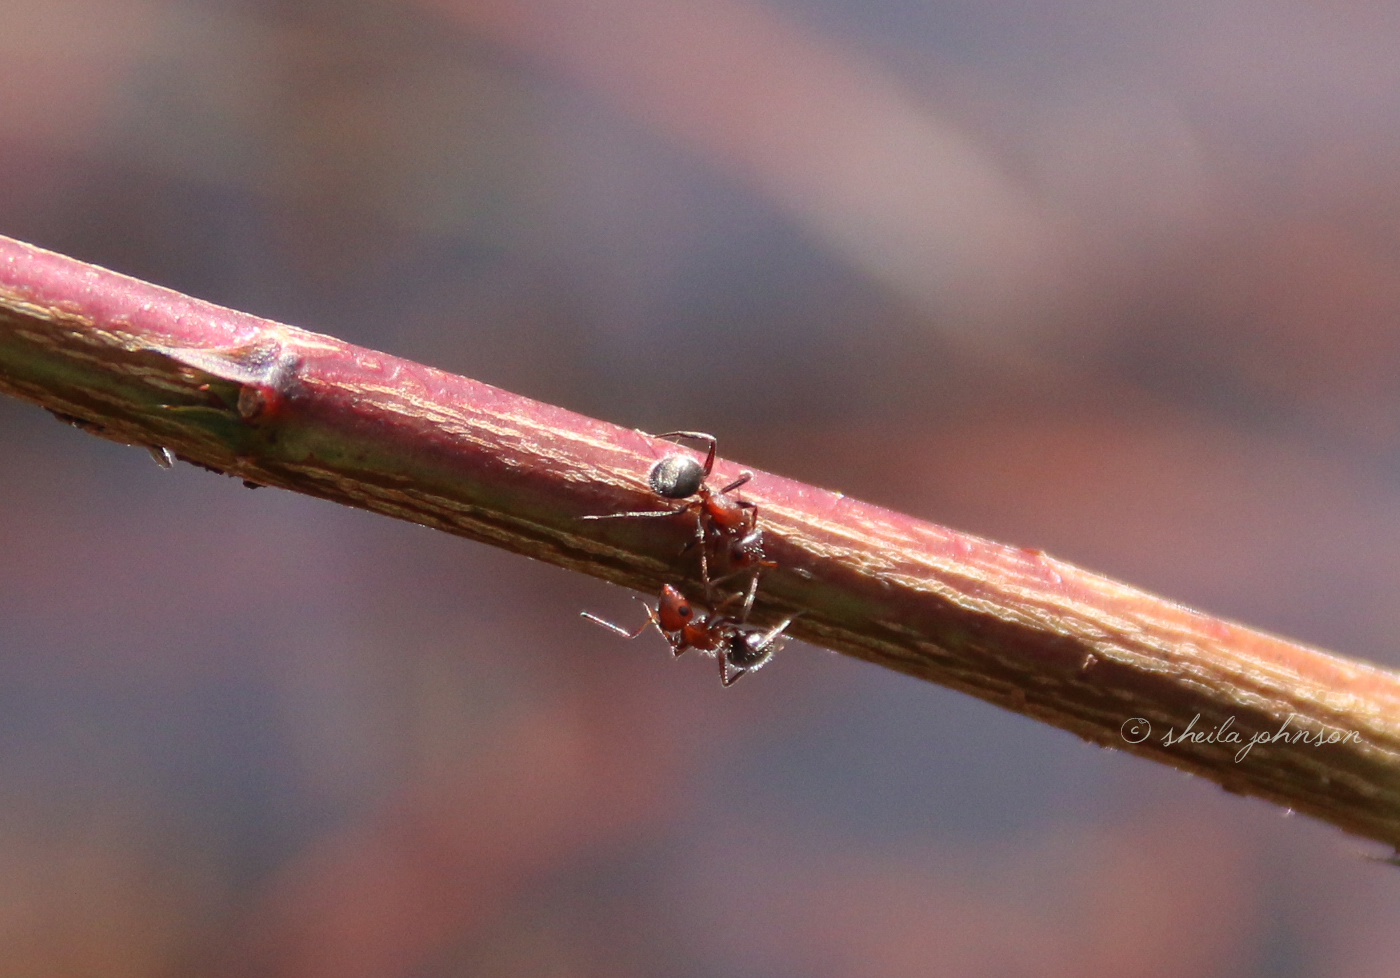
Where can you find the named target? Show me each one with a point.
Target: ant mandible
(717, 515)
(735, 644)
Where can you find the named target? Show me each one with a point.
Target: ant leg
(616, 628)
(649, 512)
(772, 635)
(743, 477)
(747, 595)
(750, 515)
(760, 565)
(702, 535)
(652, 619)
(753, 592)
(697, 436)
(727, 602)
(725, 679)
(700, 538)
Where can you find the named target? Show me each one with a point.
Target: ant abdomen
(748, 651)
(677, 477)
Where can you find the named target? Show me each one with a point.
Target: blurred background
(1116, 280)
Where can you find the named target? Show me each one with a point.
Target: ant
(718, 517)
(734, 644)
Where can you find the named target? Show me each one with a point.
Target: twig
(279, 406)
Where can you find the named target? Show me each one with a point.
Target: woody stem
(279, 406)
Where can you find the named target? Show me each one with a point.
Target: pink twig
(279, 406)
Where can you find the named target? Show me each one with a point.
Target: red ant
(734, 644)
(717, 516)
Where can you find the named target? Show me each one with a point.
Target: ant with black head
(720, 520)
(735, 644)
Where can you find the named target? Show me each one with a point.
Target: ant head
(677, 477)
(748, 548)
(674, 612)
